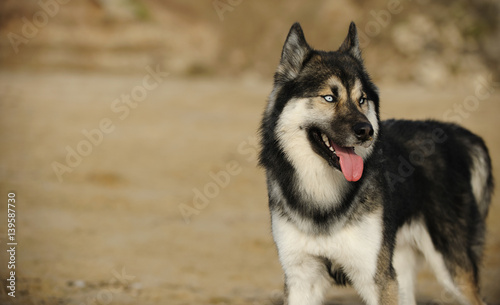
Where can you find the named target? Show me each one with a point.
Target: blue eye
(328, 98)
(362, 100)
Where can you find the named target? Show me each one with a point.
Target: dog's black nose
(363, 131)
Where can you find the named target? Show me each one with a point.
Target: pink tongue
(350, 163)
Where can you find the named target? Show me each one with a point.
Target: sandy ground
(109, 228)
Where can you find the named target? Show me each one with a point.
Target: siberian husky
(355, 200)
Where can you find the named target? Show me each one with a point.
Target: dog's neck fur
(303, 197)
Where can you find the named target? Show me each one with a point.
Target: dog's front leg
(380, 290)
(376, 286)
(386, 278)
(389, 291)
(306, 280)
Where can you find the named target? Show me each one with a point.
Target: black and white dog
(357, 200)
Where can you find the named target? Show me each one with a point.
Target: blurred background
(128, 132)
(434, 40)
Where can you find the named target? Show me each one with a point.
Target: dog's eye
(362, 100)
(328, 98)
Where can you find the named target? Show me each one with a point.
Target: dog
(359, 201)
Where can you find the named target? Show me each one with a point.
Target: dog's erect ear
(295, 50)
(351, 43)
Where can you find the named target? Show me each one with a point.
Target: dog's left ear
(351, 43)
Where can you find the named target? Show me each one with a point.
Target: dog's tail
(481, 176)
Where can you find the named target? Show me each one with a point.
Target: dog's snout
(363, 131)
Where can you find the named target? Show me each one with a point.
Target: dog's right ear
(295, 51)
(351, 43)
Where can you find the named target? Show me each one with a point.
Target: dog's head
(323, 105)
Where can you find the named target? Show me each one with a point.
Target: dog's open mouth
(342, 158)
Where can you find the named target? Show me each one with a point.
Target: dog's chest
(354, 246)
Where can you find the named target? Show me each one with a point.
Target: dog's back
(440, 188)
